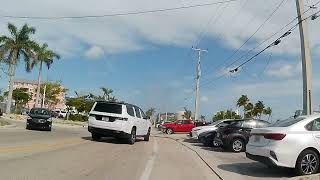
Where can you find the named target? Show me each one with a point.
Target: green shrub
(78, 117)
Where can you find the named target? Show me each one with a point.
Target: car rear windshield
(288, 122)
(44, 112)
(108, 108)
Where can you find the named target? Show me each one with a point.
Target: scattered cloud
(284, 70)
(204, 99)
(94, 52)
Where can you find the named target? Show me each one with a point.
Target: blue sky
(147, 59)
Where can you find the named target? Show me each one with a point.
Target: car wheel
(215, 143)
(307, 163)
(132, 136)
(147, 137)
(237, 145)
(169, 131)
(95, 137)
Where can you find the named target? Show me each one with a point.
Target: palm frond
(13, 30)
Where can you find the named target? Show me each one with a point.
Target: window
(186, 122)
(143, 115)
(179, 122)
(249, 124)
(137, 112)
(130, 110)
(108, 108)
(314, 125)
(236, 124)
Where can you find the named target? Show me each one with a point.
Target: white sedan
(292, 143)
(211, 127)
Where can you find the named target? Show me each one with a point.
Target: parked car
(207, 135)
(292, 143)
(196, 131)
(120, 120)
(235, 136)
(60, 113)
(178, 126)
(40, 118)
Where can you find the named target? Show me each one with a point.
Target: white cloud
(284, 70)
(94, 52)
(204, 99)
(181, 27)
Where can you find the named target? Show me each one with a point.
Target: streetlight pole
(306, 59)
(44, 95)
(198, 71)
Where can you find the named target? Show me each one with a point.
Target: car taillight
(274, 136)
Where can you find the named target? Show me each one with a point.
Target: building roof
(25, 81)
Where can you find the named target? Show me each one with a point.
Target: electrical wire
(116, 14)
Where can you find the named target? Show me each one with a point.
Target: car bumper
(39, 125)
(262, 159)
(107, 132)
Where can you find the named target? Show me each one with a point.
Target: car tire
(95, 137)
(215, 143)
(169, 131)
(132, 136)
(310, 165)
(237, 145)
(147, 137)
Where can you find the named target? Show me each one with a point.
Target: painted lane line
(147, 171)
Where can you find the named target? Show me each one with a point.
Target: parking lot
(230, 165)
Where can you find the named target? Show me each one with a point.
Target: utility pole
(306, 59)
(198, 74)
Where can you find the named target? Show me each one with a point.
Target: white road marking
(147, 170)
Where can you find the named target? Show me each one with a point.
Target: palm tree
(187, 114)
(242, 102)
(18, 44)
(44, 55)
(150, 112)
(106, 93)
(267, 111)
(259, 107)
(248, 109)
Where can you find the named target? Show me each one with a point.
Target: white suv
(119, 120)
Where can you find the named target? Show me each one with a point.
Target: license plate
(256, 138)
(105, 119)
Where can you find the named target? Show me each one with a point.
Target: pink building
(32, 89)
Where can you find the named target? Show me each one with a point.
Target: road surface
(69, 153)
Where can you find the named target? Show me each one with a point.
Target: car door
(187, 126)
(314, 127)
(145, 122)
(178, 126)
(138, 120)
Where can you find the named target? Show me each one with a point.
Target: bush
(78, 117)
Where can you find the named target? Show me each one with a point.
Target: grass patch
(4, 123)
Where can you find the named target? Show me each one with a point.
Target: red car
(178, 126)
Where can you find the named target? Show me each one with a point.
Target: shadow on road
(255, 169)
(110, 140)
(191, 141)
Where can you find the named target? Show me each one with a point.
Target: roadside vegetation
(249, 110)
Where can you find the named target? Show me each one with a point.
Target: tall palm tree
(44, 55)
(242, 102)
(18, 44)
(106, 93)
(259, 107)
(150, 112)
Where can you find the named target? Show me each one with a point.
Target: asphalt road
(69, 153)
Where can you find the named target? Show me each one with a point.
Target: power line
(116, 14)
(255, 32)
(276, 42)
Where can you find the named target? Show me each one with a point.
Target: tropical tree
(267, 111)
(242, 102)
(52, 92)
(150, 112)
(18, 44)
(106, 93)
(46, 56)
(187, 114)
(21, 97)
(258, 109)
(226, 115)
(248, 110)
